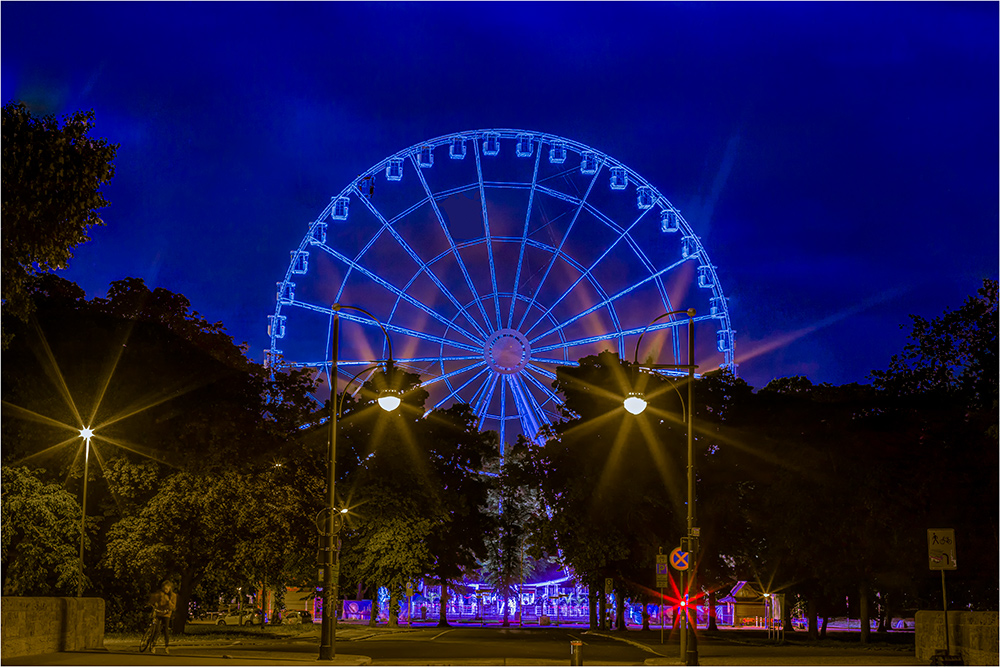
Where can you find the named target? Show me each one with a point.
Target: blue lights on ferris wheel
(557, 153)
(493, 273)
(300, 261)
(705, 277)
(619, 178)
(394, 170)
(524, 144)
(317, 233)
(645, 197)
(425, 157)
(340, 207)
(286, 292)
(689, 247)
(669, 222)
(491, 143)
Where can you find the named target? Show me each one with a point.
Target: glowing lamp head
(86, 434)
(635, 403)
(388, 400)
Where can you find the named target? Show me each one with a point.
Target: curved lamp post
(328, 556)
(635, 403)
(86, 433)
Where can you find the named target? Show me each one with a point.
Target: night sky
(839, 161)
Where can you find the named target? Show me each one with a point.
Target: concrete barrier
(32, 626)
(973, 635)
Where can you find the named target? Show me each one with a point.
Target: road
(482, 646)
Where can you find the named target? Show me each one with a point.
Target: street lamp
(328, 556)
(635, 403)
(86, 433)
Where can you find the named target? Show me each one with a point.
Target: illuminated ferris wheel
(492, 257)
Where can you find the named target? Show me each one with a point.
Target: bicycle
(151, 634)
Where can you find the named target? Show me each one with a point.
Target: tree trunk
(506, 611)
(822, 632)
(602, 600)
(443, 607)
(884, 616)
(813, 619)
(393, 609)
(865, 613)
(713, 624)
(645, 613)
(620, 610)
(594, 623)
(373, 620)
(183, 601)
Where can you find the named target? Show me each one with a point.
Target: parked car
(245, 617)
(295, 616)
(290, 617)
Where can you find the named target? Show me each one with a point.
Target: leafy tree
(955, 353)
(612, 484)
(158, 384)
(185, 530)
(506, 565)
(458, 453)
(40, 535)
(940, 393)
(52, 175)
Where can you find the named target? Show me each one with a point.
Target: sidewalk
(301, 649)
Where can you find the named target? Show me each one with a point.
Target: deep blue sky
(839, 161)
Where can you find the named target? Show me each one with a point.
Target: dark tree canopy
(52, 175)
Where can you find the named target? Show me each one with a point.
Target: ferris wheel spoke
(541, 371)
(546, 391)
(486, 228)
(527, 409)
(398, 292)
(451, 242)
(588, 272)
(455, 392)
(524, 236)
(569, 229)
(503, 420)
(554, 362)
(485, 395)
(395, 328)
(425, 360)
(609, 300)
(615, 334)
(425, 268)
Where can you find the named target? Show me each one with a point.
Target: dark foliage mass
(817, 491)
(52, 175)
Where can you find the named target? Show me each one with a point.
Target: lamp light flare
(635, 403)
(86, 433)
(388, 401)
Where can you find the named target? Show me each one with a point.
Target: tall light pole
(329, 557)
(86, 433)
(635, 403)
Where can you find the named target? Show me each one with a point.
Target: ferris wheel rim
(481, 330)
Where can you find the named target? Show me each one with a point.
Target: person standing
(163, 602)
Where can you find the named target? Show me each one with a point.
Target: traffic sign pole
(941, 556)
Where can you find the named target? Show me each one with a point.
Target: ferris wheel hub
(507, 351)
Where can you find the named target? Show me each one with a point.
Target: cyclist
(163, 601)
